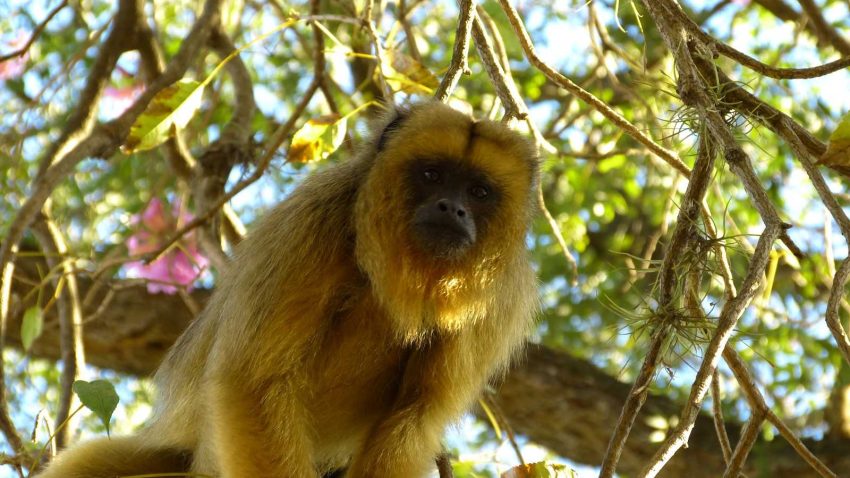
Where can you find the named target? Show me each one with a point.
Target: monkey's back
(291, 247)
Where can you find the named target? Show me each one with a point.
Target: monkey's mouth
(446, 240)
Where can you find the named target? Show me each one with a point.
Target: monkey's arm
(257, 388)
(440, 382)
(285, 283)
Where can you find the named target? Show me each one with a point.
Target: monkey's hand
(403, 446)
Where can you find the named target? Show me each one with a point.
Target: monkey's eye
(479, 191)
(431, 175)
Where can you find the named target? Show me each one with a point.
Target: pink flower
(117, 100)
(180, 266)
(13, 67)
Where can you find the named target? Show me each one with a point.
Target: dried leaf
(540, 470)
(406, 75)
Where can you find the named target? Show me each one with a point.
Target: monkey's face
(451, 204)
(443, 211)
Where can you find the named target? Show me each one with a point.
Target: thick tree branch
(555, 400)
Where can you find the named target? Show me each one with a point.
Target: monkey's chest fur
(355, 378)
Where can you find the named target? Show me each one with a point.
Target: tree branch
(133, 332)
(460, 54)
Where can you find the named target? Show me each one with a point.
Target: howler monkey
(360, 317)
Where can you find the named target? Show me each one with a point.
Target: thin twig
(444, 465)
(403, 12)
(379, 51)
(559, 237)
(460, 53)
(502, 420)
(35, 34)
(634, 402)
(502, 81)
(70, 320)
(836, 293)
(757, 402)
(717, 416)
(755, 65)
(822, 29)
(749, 435)
(498, 43)
(616, 118)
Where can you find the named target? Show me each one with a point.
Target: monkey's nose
(451, 207)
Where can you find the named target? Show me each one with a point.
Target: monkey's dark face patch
(450, 206)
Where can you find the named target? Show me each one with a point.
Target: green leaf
(98, 396)
(614, 162)
(170, 109)
(31, 326)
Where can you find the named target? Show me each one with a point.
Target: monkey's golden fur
(333, 340)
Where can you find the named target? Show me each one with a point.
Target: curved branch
(35, 34)
(621, 122)
(760, 67)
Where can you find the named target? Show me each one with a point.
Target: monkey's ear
(398, 116)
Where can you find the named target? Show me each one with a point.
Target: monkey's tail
(118, 457)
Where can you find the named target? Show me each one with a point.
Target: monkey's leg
(117, 456)
(260, 433)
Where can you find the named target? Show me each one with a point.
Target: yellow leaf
(837, 155)
(317, 139)
(406, 75)
(170, 109)
(540, 470)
